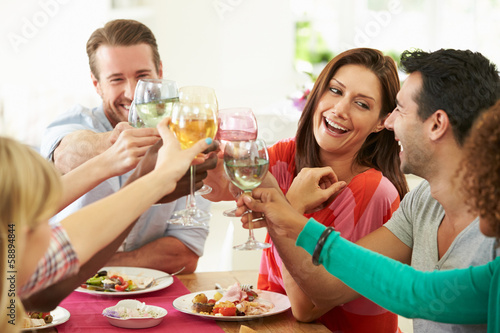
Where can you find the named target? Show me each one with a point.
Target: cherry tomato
(83, 285)
(211, 301)
(119, 278)
(121, 287)
(251, 296)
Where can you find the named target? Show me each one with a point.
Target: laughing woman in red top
(342, 128)
(341, 134)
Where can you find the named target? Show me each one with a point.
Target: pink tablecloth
(86, 312)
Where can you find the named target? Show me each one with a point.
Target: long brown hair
(380, 150)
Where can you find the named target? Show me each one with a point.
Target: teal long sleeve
(460, 296)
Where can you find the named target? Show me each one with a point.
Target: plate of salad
(120, 281)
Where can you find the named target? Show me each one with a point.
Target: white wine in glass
(191, 130)
(194, 117)
(246, 164)
(154, 99)
(236, 124)
(133, 118)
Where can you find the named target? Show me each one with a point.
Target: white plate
(59, 316)
(280, 301)
(133, 272)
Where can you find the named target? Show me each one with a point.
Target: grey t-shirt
(416, 224)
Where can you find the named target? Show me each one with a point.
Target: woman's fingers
(170, 139)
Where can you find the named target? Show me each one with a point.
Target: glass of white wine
(133, 117)
(153, 101)
(194, 117)
(246, 164)
(236, 124)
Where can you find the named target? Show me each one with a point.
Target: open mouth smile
(334, 127)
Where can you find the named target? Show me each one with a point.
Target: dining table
(86, 309)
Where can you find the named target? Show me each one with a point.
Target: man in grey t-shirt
(443, 95)
(433, 229)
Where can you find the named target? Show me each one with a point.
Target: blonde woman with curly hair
(32, 192)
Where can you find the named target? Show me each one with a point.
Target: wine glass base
(205, 189)
(232, 213)
(190, 217)
(229, 212)
(188, 222)
(252, 245)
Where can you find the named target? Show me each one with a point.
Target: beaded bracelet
(320, 244)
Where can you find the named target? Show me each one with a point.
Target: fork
(243, 287)
(246, 287)
(159, 279)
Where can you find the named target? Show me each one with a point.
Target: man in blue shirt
(121, 53)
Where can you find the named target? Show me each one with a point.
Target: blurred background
(254, 53)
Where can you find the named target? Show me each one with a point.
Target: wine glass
(246, 164)
(236, 124)
(133, 118)
(194, 117)
(153, 101)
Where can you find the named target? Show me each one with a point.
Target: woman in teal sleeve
(460, 296)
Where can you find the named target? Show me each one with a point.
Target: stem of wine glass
(251, 237)
(191, 200)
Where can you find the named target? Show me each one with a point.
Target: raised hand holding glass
(194, 117)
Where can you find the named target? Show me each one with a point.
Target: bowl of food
(131, 313)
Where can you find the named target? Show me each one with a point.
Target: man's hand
(129, 148)
(183, 185)
(80, 146)
(147, 164)
(119, 128)
(313, 187)
(279, 215)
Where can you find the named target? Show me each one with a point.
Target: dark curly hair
(462, 83)
(482, 168)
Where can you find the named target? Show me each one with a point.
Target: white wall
(243, 49)
(44, 68)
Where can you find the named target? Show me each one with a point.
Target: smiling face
(120, 67)
(347, 112)
(409, 129)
